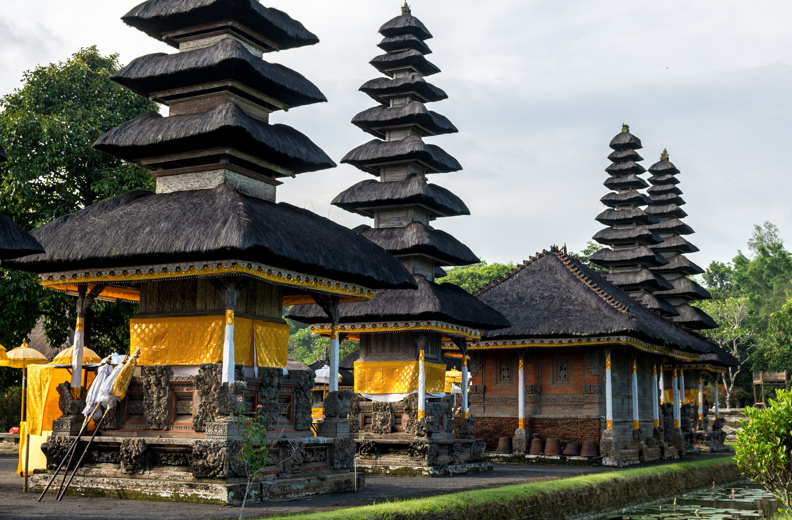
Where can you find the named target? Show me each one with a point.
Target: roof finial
(664, 155)
(406, 8)
(625, 127)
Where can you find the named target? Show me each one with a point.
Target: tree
(473, 278)
(307, 347)
(718, 279)
(775, 352)
(591, 248)
(48, 127)
(733, 335)
(764, 447)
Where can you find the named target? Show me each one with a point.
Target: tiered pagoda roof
(217, 160)
(15, 241)
(666, 201)
(402, 201)
(629, 237)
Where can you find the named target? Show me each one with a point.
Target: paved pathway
(16, 505)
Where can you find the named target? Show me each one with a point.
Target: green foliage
(473, 278)
(254, 452)
(775, 353)
(10, 407)
(591, 248)
(48, 127)
(764, 447)
(308, 348)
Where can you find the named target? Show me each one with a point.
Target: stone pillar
(700, 399)
(675, 390)
(421, 385)
(229, 364)
(608, 392)
(636, 414)
(521, 395)
(717, 403)
(77, 358)
(683, 397)
(656, 407)
(334, 347)
(465, 377)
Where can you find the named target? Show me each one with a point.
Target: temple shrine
(401, 417)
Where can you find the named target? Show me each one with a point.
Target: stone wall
(490, 429)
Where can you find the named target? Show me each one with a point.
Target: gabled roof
(555, 296)
(15, 242)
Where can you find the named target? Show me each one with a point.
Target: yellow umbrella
(3, 355)
(65, 357)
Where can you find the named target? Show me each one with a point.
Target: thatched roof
(663, 189)
(293, 365)
(632, 197)
(403, 42)
(15, 242)
(658, 305)
(439, 272)
(143, 228)
(676, 243)
(633, 235)
(556, 296)
(418, 239)
(669, 197)
(406, 24)
(412, 149)
(348, 363)
(409, 58)
(659, 180)
(625, 168)
(442, 302)
(638, 280)
(658, 209)
(663, 167)
(625, 155)
(378, 119)
(623, 216)
(226, 126)
(625, 182)
(382, 89)
(412, 191)
(625, 141)
(40, 342)
(3, 156)
(685, 288)
(672, 225)
(226, 60)
(157, 17)
(679, 264)
(640, 255)
(694, 318)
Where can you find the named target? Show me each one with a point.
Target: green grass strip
(501, 502)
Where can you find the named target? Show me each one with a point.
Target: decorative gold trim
(701, 366)
(211, 269)
(609, 425)
(636, 425)
(370, 328)
(521, 424)
(80, 325)
(657, 423)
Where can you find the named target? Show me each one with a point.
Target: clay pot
(504, 446)
(572, 450)
(537, 445)
(589, 449)
(553, 447)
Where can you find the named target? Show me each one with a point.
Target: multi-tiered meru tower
(402, 418)
(629, 234)
(666, 202)
(212, 260)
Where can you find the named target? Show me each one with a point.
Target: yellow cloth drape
(691, 396)
(451, 377)
(396, 377)
(199, 339)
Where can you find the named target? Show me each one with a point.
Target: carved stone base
(67, 425)
(335, 428)
(224, 429)
(520, 441)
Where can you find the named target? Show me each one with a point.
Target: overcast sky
(537, 90)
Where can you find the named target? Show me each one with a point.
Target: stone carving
(343, 453)
(368, 450)
(533, 389)
(133, 456)
(170, 458)
(67, 404)
(302, 399)
(608, 448)
(236, 466)
(592, 389)
(354, 414)
(686, 425)
(156, 397)
(474, 363)
(477, 452)
(424, 452)
(467, 428)
(294, 456)
(382, 419)
(271, 386)
(207, 385)
(410, 423)
(336, 404)
(56, 448)
(477, 389)
(99, 456)
(209, 460)
(114, 419)
(592, 360)
(316, 455)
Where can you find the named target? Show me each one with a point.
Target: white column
(683, 397)
(717, 403)
(521, 394)
(334, 347)
(662, 384)
(77, 358)
(608, 391)
(655, 401)
(636, 415)
(675, 391)
(700, 399)
(421, 386)
(464, 387)
(229, 364)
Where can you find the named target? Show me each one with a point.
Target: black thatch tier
(663, 189)
(670, 197)
(676, 243)
(142, 228)
(639, 280)
(555, 296)
(632, 235)
(625, 155)
(625, 141)
(626, 182)
(403, 42)
(659, 180)
(664, 167)
(659, 209)
(364, 197)
(640, 255)
(226, 126)
(694, 318)
(3, 156)
(223, 61)
(159, 17)
(382, 90)
(679, 264)
(672, 225)
(15, 241)
(658, 305)
(622, 216)
(625, 168)
(377, 120)
(631, 197)
(374, 154)
(405, 24)
(685, 288)
(418, 239)
(409, 59)
(439, 272)
(431, 302)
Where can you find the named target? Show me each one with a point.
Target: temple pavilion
(401, 417)
(212, 259)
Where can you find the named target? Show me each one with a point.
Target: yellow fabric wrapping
(396, 377)
(691, 396)
(317, 414)
(199, 339)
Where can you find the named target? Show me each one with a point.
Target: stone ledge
(561, 460)
(386, 470)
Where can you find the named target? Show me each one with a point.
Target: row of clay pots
(552, 447)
